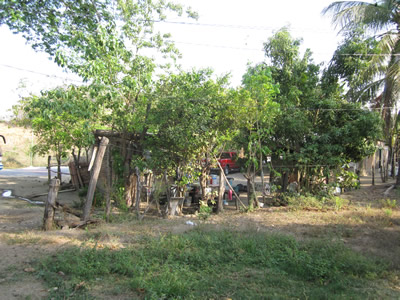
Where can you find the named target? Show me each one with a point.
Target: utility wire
(39, 73)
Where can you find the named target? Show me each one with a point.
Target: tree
(62, 119)
(382, 21)
(190, 121)
(108, 44)
(316, 130)
(350, 68)
(257, 99)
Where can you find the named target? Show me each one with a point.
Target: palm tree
(381, 20)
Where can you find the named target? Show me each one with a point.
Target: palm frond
(351, 14)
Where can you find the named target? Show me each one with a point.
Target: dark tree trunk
(58, 157)
(203, 183)
(49, 168)
(221, 191)
(138, 190)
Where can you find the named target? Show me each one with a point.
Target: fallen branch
(79, 224)
(386, 193)
(69, 210)
(45, 194)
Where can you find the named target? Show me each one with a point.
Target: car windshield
(225, 155)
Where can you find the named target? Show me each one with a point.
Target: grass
(204, 264)
(17, 151)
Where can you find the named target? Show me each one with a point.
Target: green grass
(205, 265)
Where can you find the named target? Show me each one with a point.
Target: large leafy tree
(109, 43)
(191, 120)
(257, 98)
(381, 20)
(316, 130)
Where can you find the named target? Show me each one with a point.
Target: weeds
(388, 203)
(310, 201)
(388, 212)
(203, 265)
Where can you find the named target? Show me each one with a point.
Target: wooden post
(221, 191)
(94, 175)
(49, 168)
(49, 210)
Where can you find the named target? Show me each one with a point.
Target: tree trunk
(285, 180)
(398, 173)
(78, 172)
(49, 168)
(94, 175)
(221, 191)
(130, 190)
(49, 210)
(203, 183)
(59, 176)
(108, 185)
(373, 169)
(262, 178)
(393, 165)
(168, 206)
(250, 192)
(138, 190)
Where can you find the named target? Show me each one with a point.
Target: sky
(228, 35)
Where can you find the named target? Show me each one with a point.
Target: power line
(238, 26)
(39, 73)
(219, 46)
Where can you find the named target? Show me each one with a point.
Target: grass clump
(204, 265)
(316, 202)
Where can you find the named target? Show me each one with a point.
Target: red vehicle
(228, 162)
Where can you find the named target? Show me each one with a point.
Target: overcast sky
(229, 34)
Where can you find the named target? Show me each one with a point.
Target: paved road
(32, 172)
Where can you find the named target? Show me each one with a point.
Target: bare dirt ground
(369, 224)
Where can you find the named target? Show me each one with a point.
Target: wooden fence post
(49, 210)
(94, 175)
(49, 168)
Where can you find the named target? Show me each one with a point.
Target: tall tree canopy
(315, 131)
(381, 21)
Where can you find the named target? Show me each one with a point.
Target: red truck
(227, 161)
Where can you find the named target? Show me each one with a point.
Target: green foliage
(388, 212)
(388, 203)
(380, 22)
(200, 265)
(61, 119)
(348, 180)
(351, 63)
(192, 117)
(316, 129)
(307, 201)
(118, 195)
(204, 211)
